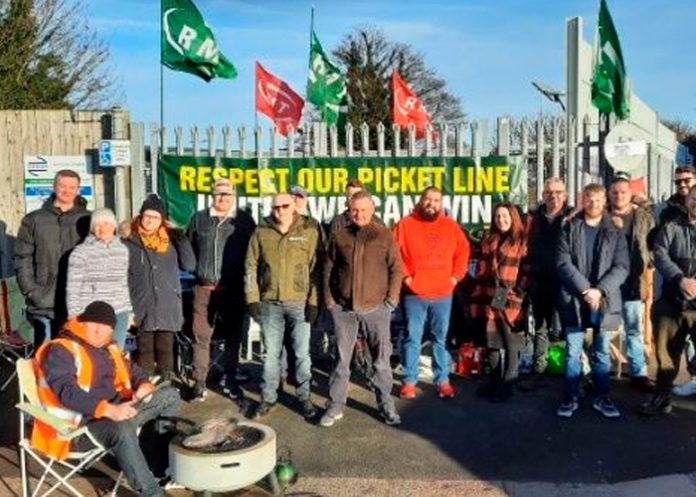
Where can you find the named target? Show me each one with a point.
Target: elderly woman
(497, 296)
(157, 252)
(98, 270)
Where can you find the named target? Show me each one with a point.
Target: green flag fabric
(188, 44)
(609, 84)
(326, 86)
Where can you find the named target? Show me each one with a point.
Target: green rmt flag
(188, 43)
(326, 86)
(610, 91)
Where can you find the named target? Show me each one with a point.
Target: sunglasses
(280, 207)
(683, 180)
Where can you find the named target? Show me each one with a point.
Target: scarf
(157, 241)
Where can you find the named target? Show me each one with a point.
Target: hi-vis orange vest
(43, 437)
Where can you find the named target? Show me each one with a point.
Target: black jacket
(543, 246)
(675, 208)
(153, 281)
(220, 248)
(612, 270)
(675, 258)
(44, 241)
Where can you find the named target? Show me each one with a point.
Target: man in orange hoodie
(84, 378)
(435, 253)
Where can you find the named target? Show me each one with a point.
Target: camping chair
(16, 332)
(30, 407)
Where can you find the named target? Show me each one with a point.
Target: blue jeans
(601, 361)
(44, 328)
(635, 347)
(418, 312)
(275, 318)
(121, 329)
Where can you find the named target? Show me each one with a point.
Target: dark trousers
(671, 325)
(504, 338)
(155, 347)
(121, 438)
(546, 319)
(216, 310)
(375, 324)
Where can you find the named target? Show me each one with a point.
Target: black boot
(491, 386)
(503, 393)
(661, 403)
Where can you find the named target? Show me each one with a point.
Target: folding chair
(30, 407)
(16, 332)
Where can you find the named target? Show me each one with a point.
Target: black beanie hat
(98, 312)
(154, 203)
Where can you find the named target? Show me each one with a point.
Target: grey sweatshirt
(98, 271)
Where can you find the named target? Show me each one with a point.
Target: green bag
(555, 358)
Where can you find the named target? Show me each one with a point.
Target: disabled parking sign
(114, 153)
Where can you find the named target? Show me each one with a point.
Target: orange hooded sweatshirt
(432, 253)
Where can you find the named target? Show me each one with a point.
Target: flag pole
(161, 116)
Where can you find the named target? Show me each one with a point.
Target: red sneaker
(444, 390)
(408, 391)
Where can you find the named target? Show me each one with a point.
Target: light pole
(550, 93)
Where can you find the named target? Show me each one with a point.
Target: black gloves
(254, 310)
(311, 314)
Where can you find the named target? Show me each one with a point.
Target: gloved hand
(254, 310)
(311, 314)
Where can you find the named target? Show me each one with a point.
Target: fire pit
(246, 456)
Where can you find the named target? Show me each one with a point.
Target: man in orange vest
(84, 378)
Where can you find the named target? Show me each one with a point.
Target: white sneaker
(330, 417)
(685, 389)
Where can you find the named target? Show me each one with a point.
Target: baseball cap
(223, 185)
(298, 191)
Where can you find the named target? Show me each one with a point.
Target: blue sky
(487, 50)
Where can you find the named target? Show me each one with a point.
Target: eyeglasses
(679, 181)
(150, 216)
(281, 207)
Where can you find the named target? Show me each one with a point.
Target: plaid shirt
(500, 265)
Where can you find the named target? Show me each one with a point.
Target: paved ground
(466, 446)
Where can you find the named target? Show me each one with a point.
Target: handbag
(500, 297)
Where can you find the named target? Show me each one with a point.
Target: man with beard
(592, 262)
(675, 206)
(674, 314)
(435, 254)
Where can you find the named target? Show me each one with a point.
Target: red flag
(408, 109)
(277, 100)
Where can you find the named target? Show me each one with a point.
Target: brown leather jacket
(362, 269)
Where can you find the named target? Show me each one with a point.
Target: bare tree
(51, 58)
(685, 131)
(368, 58)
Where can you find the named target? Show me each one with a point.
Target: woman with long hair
(497, 296)
(157, 252)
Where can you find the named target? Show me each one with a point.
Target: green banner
(470, 192)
